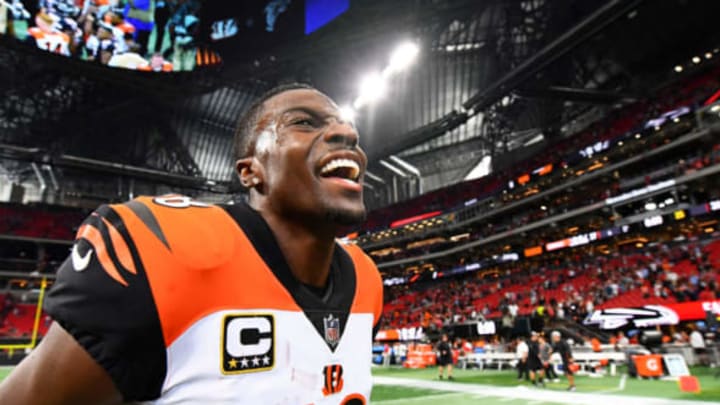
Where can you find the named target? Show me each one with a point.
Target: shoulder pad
(200, 236)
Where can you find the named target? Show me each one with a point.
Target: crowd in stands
(30, 221)
(112, 32)
(17, 319)
(583, 195)
(39, 221)
(566, 287)
(635, 175)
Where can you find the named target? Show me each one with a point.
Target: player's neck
(307, 249)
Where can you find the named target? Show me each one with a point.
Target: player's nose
(342, 133)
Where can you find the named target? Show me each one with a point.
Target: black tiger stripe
(116, 220)
(147, 217)
(96, 221)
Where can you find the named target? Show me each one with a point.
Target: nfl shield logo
(332, 329)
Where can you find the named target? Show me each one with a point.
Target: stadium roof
(491, 77)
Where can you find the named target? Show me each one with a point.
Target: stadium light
(678, 68)
(708, 55)
(372, 88)
(696, 59)
(374, 85)
(347, 113)
(402, 57)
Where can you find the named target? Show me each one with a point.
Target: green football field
(4, 371)
(418, 387)
(404, 386)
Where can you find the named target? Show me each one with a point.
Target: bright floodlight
(696, 59)
(347, 113)
(403, 56)
(372, 88)
(678, 68)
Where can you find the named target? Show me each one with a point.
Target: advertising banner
(652, 315)
(649, 365)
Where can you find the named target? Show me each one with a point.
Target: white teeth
(345, 163)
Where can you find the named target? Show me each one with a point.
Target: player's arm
(58, 371)
(106, 344)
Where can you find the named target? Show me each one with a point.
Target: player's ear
(249, 172)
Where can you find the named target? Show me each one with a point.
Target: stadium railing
(712, 170)
(478, 212)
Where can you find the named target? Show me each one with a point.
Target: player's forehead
(299, 100)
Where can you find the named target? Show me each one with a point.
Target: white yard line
(620, 387)
(533, 394)
(419, 398)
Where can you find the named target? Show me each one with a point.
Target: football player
(170, 300)
(563, 348)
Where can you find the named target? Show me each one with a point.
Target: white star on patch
(266, 360)
(256, 361)
(244, 363)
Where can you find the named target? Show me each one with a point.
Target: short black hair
(245, 135)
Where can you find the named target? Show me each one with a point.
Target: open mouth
(345, 169)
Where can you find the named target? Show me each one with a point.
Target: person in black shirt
(534, 365)
(444, 357)
(560, 346)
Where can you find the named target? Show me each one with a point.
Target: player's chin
(341, 201)
(345, 213)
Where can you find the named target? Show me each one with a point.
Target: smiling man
(169, 300)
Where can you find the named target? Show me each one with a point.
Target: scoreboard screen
(163, 35)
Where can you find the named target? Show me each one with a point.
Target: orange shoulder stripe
(92, 235)
(121, 248)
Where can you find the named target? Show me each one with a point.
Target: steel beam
(576, 35)
(578, 95)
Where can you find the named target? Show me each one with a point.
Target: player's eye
(303, 122)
